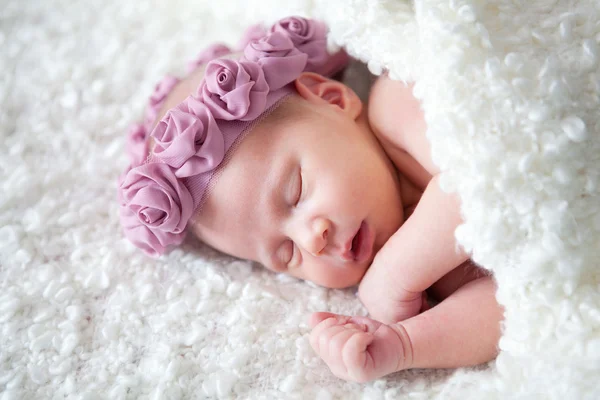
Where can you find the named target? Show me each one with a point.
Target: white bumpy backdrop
(511, 96)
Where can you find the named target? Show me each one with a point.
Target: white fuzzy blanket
(511, 95)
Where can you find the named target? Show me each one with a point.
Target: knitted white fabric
(511, 96)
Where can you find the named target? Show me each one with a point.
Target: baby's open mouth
(356, 241)
(362, 243)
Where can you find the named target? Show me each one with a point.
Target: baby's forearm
(424, 249)
(462, 330)
(419, 254)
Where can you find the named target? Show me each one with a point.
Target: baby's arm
(462, 330)
(421, 252)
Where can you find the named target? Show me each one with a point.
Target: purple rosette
(234, 90)
(151, 241)
(153, 195)
(281, 61)
(188, 139)
(309, 36)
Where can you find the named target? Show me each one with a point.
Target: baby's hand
(359, 349)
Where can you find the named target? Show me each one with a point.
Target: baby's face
(313, 196)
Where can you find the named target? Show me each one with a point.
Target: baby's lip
(348, 254)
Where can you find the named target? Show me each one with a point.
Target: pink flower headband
(163, 187)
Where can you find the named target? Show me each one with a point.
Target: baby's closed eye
(283, 256)
(287, 256)
(296, 187)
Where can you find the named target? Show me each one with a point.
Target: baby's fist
(359, 349)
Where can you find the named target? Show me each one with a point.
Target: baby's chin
(346, 281)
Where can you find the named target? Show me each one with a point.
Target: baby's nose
(318, 236)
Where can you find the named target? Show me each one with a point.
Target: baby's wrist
(407, 359)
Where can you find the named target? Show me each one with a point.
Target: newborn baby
(305, 179)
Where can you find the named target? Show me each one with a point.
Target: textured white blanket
(511, 95)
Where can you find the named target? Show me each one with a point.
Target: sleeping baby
(263, 156)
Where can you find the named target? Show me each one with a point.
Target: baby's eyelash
(284, 255)
(295, 259)
(300, 186)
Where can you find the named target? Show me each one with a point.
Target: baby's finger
(355, 356)
(326, 336)
(318, 317)
(334, 319)
(370, 324)
(321, 331)
(334, 356)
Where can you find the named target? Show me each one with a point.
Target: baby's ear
(320, 90)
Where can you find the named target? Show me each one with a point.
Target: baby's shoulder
(396, 118)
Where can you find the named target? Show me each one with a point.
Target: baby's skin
(464, 328)
(333, 191)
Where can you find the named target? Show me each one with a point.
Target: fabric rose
(157, 99)
(151, 241)
(136, 146)
(234, 90)
(212, 52)
(157, 199)
(254, 32)
(309, 36)
(280, 60)
(188, 139)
